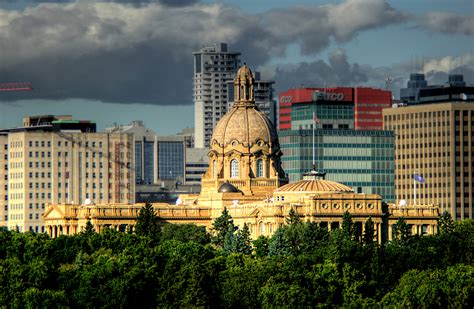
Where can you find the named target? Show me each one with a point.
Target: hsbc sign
(331, 96)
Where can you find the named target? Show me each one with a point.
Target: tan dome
(245, 125)
(315, 186)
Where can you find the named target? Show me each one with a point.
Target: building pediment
(53, 212)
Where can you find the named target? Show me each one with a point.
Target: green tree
(293, 217)
(368, 237)
(243, 243)
(445, 223)
(261, 246)
(220, 227)
(401, 230)
(88, 229)
(347, 225)
(185, 233)
(278, 245)
(230, 240)
(147, 222)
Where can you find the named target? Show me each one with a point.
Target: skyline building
(157, 158)
(419, 92)
(363, 160)
(436, 142)
(213, 67)
(358, 108)
(60, 160)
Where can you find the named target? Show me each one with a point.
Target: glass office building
(363, 160)
(171, 161)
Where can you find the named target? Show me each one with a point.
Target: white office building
(213, 67)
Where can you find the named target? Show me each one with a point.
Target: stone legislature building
(245, 175)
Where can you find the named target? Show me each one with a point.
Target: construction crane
(16, 86)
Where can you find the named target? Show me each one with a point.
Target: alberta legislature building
(245, 176)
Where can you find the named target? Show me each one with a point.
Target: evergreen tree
(445, 223)
(147, 222)
(220, 227)
(230, 242)
(261, 246)
(278, 244)
(293, 217)
(368, 231)
(243, 241)
(401, 229)
(88, 229)
(347, 225)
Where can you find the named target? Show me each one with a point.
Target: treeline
(183, 266)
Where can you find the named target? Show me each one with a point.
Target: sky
(122, 60)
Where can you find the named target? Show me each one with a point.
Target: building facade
(157, 158)
(47, 164)
(363, 160)
(434, 141)
(335, 108)
(213, 67)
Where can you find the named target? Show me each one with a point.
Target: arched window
(234, 169)
(259, 168)
(214, 168)
(262, 228)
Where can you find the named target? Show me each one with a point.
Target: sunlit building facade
(435, 141)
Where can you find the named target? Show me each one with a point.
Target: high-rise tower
(213, 67)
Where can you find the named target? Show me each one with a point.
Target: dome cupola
(244, 145)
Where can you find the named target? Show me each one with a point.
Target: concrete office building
(435, 141)
(64, 161)
(157, 158)
(196, 165)
(213, 67)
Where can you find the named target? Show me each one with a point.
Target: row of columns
(58, 229)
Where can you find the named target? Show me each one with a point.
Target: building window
(259, 168)
(234, 169)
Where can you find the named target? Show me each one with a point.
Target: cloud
(338, 71)
(449, 23)
(143, 53)
(133, 2)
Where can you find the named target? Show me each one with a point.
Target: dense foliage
(183, 266)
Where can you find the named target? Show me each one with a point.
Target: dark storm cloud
(339, 71)
(449, 23)
(143, 54)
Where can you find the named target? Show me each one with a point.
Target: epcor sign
(332, 96)
(285, 99)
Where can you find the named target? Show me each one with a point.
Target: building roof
(244, 124)
(315, 186)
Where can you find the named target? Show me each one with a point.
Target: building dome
(315, 186)
(244, 125)
(227, 187)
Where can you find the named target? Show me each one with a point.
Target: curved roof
(314, 186)
(244, 125)
(227, 187)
